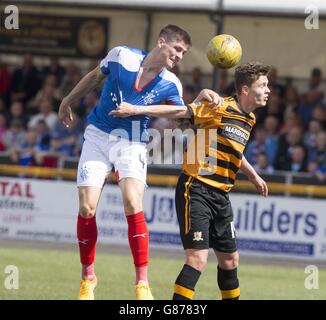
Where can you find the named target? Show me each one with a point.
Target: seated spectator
(262, 164)
(261, 144)
(319, 114)
(54, 68)
(271, 125)
(29, 153)
(310, 136)
(70, 79)
(274, 107)
(291, 99)
(50, 91)
(291, 119)
(46, 113)
(297, 161)
(287, 141)
(15, 136)
(43, 135)
(26, 80)
(64, 138)
(316, 82)
(17, 111)
(312, 100)
(318, 152)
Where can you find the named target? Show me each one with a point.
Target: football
(224, 51)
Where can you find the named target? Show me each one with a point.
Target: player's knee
(230, 262)
(197, 261)
(87, 211)
(132, 205)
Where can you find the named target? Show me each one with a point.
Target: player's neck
(245, 106)
(152, 64)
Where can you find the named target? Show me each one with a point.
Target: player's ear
(245, 90)
(160, 42)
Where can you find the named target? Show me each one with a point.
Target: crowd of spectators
(30, 133)
(290, 134)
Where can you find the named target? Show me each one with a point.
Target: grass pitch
(55, 274)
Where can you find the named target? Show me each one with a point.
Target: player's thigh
(88, 200)
(132, 191)
(193, 213)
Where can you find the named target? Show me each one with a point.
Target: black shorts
(205, 216)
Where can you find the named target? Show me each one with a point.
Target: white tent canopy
(281, 7)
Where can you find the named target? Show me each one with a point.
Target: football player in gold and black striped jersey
(209, 170)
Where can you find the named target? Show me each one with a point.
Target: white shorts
(102, 151)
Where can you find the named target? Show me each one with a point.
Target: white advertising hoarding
(274, 226)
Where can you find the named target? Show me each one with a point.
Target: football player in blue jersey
(139, 78)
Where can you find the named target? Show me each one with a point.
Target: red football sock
(87, 237)
(138, 242)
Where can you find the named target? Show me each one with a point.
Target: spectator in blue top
(64, 138)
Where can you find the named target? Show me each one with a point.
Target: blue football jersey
(122, 65)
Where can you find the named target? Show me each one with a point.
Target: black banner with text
(53, 35)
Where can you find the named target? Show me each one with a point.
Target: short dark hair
(172, 32)
(248, 73)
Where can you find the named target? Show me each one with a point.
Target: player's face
(172, 52)
(259, 91)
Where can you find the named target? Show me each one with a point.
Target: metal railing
(279, 183)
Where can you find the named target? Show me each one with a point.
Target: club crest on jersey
(150, 96)
(198, 236)
(235, 134)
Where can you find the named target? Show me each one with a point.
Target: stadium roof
(270, 7)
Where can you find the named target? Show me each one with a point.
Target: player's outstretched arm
(88, 83)
(165, 111)
(211, 96)
(253, 177)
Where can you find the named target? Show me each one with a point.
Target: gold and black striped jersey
(214, 154)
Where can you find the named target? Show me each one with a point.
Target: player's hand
(124, 110)
(260, 185)
(211, 96)
(65, 113)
